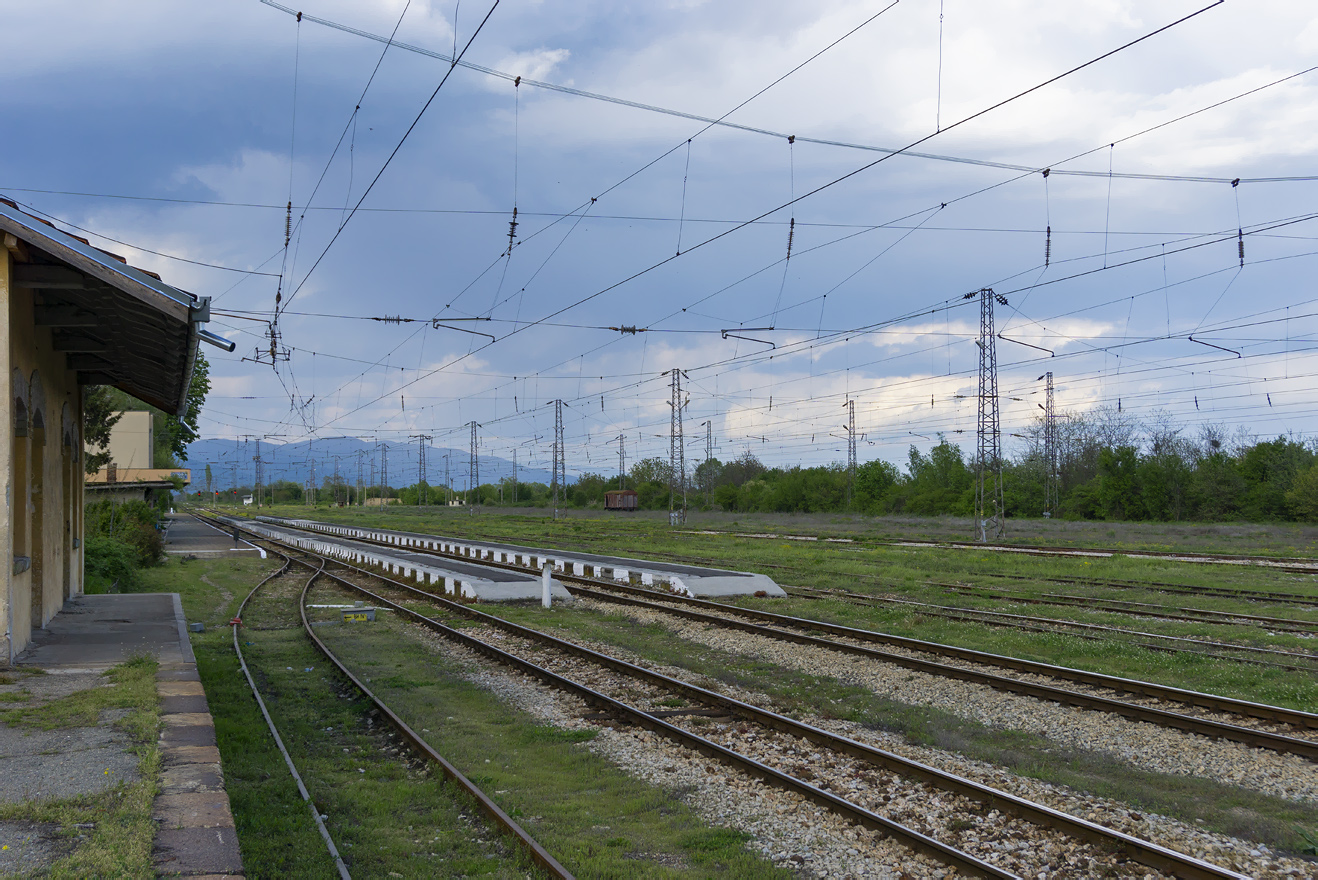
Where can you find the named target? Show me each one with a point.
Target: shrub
(106, 560)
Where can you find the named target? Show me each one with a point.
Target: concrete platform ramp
(687, 580)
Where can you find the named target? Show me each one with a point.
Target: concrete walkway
(189, 536)
(195, 831)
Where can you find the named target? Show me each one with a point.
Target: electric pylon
(560, 466)
(475, 468)
(851, 451)
(709, 456)
(421, 440)
(676, 455)
(622, 462)
(1052, 489)
(989, 505)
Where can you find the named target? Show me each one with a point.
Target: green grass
(113, 830)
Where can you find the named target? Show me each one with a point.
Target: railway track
(804, 631)
(777, 735)
(1203, 647)
(505, 823)
(1260, 596)
(1135, 609)
(1296, 564)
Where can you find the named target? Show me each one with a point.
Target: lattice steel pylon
(560, 465)
(256, 474)
(851, 451)
(1052, 488)
(421, 485)
(622, 462)
(676, 454)
(475, 468)
(989, 506)
(709, 455)
(360, 485)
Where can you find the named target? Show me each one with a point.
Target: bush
(106, 560)
(131, 523)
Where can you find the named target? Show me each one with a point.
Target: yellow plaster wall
(6, 464)
(30, 350)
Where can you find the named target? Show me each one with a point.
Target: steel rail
(274, 732)
(1052, 624)
(1166, 693)
(1135, 609)
(538, 853)
(909, 837)
(1293, 564)
(1162, 717)
(1143, 851)
(1261, 596)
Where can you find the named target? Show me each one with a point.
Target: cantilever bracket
(1218, 347)
(728, 334)
(1027, 345)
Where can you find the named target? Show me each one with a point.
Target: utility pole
(989, 504)
(233, 479)
(1051, 477)
(559, 470)
(421, 440)
(475, 470)
(311, 485)
(676, 454)
(448, 483)
(851, 451)
(514, 475)
(384, 472)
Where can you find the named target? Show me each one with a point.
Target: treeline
(1109, 467)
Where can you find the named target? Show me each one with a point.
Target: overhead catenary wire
(835, 181)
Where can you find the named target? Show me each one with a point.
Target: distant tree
(99, 415)
(875, 482)
(649, 470)
(1302, 499)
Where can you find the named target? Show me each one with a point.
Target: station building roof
(116, 324)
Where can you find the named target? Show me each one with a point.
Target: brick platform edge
(195, 834)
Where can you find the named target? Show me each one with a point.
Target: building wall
(41, 463)
(132, 441)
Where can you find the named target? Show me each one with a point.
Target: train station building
(73, 315)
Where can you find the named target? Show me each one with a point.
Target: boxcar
(620, 499)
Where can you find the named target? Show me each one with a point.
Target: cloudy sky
(180, 131)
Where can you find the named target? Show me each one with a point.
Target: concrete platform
(189, 536)
(688, 580)
(458, 579)
(195, 828)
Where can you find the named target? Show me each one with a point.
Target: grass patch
(133, 687)
(113, 830)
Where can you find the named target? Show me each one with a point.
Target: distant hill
(292, 461)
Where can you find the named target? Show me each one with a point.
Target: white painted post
(544, 587)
